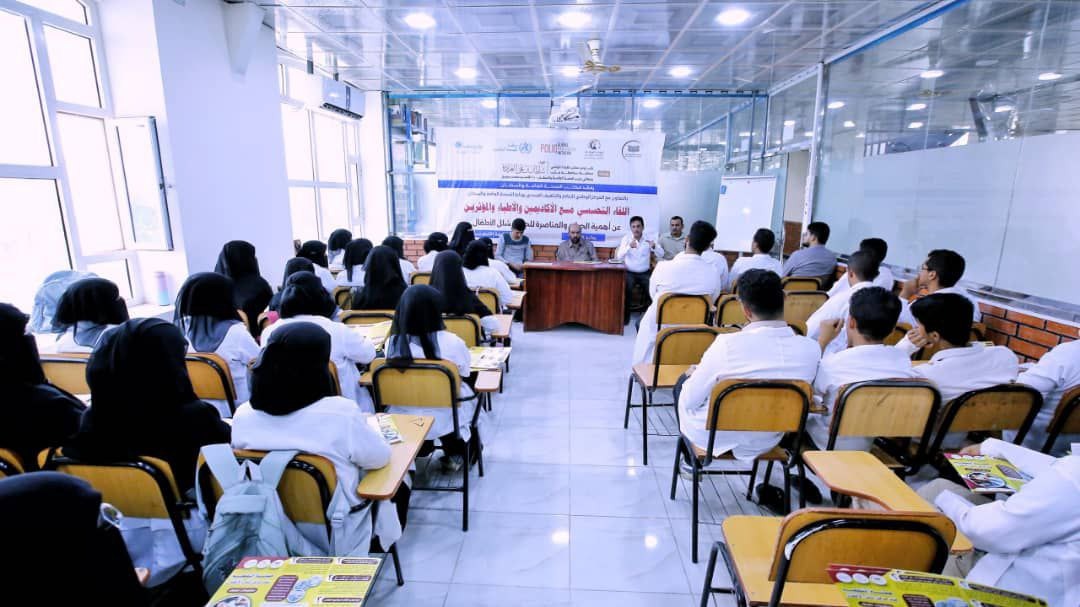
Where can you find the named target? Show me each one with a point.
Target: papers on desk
(984, 474)
(488, 359)
(877, 586)
(588, 263)
(261, 581)
(375, 333)
(384, 424)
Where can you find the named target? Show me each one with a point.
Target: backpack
(48, 295)
(249, 519)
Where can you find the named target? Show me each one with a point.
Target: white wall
(798, 170)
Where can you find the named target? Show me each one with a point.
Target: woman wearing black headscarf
(294, 265)
(335, 245)
(86, 309)
(398, 245)
(207, 318)
(436, 243)
(304, 300)
(480, 275)
(316, 251)
(34, 415)
(383, 282)
(237, 261)
(356, 253)
(463, 235)
(418, 332)
(48, 519)
(448, 279)
(497, 264)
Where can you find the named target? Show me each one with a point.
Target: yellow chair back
(420, 278)
(682, 309)
(424, 383)
(759, 405)
(729, 312)
(10, 464)
(366, 317)
(211, 377)
(684, 345)
(887, 408)
(801, 283)
(66, 371)
(489, 298)
(343, 297)
(799, 305)
(467, 327)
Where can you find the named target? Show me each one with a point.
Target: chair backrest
(211, 377)
(1001, 407)
(66, 371)
(801, 283)
(684, 345)
(978, 331)
(886, 408)
(490, 298)
(1066, 418)
(758, 405)
(343, 297)
(729, 312)
(467, 327)
(799, 305)
(898, 334)
(10, 464)
(420, 278)
(366, 317)
(682, 309)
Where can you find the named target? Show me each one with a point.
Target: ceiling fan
(592, 62)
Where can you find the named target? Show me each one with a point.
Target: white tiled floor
(566, 513)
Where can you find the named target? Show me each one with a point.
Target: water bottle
(162, 282)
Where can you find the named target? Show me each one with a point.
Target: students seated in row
(294, 265)
(335, 246)
(293, 406)
(418, 332)
(315, 251)
(872, 315)
(687, 273)
(303, 300)
(515, 248)
(86, 309)
(862, 268)
(480, 275)
(398, 245)
(383, 281)
(497, 264)
(813, 259)
(760, 247)
(34, 415)
(206, 316)
(1029, 542)
(237, 261)
(878, 248)
(436, 243)
(766, 348)
(463, 235)
(1057, 371)
(448, 279)
(939, 274)
(355, 255)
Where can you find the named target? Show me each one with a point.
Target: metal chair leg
(397, 564)
(645, 398)
(479, 449)
(629, 395)
(707, 590)
(465, 490)
(753, 479)
(675, 470)
(694, 515)
(787, 489)
(802, 483)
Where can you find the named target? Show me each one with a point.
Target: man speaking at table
(637, 252)
(575, 248)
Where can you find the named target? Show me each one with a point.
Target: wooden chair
(10, 464)
(490, 298)
(801, 283)
(747, 405)
(67, 371)
(682, 309)
(898, 334)
(799, 305)
(366, 317)
(1066, 418)
(420, 278)
(993, 409)
(729, 312)
(343, 297)
(887, 408)
(466, 326)
(774, 561)
(211, 378)
(430, 384)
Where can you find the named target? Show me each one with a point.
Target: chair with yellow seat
(420, 278)
(211, 378)
(801, 283)
(773, 561)
(490, 298)
(1066, 418)
(431, 384)
(66, 371)
(729, 312)
(799, 305)
(343, 297)
(682, 309)
(10, 464)
(465, 326)
(993, 409)
(747, 405)
(366, 317)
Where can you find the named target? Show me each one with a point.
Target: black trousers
(635, 278)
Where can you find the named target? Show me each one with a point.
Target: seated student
(884, 279)
(448, 279)
(813, 259)
(293, 406)
(1057, 371)
(637, 253)
(939, 274)
(674, 242)
(497, 264)
(480, 275)
(34, 415)
(688, 273)
(766, 348)
(86, 309)
(304, 301)
(436, 243)
(1029, 542)
(575, 248)
(861, 270)
(872, 315)
(760, 247)
(418, 332)
(356, 253)
(463, 235)
(383, 282)
(237, 261)
(335, 245)
(315, 251)
(206, 316)
(398, 245)
(515, 248)
(294, 265)
(719, 264)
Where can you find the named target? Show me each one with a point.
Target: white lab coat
(237, 349)
(407, 269)
(687, 274)
(336, 257)
(453, 349)
(1031, 539)
(758, 261)
(326, 277)
(637, 259)
(1057, 371)
(836, 307)
(347, 349)
(426, 261)
(859, 363)
(720, 266)
(761, 350)
(342, 279)
(504, 271)
(885, 280)
(487, 277)
(65, 344)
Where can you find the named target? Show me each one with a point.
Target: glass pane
(141, 161)
(32, 233)
(86, 160)
(334, 203)
(68, 9)
(72, 62)
(294, 123)
(330, 149)
(21, 122)
(302, 212)
(116, 271)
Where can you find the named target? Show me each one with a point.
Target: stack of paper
(488, 359)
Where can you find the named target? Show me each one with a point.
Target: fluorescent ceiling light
(744, 134)
(419, 21)
(835, 105)
(465, 73)
(789, 123)
(861, 136)
(931, 74)
(574, 19)
(490, 104)
(1049, 76)
(1060, 132)
(915, 125)
(732, 16)
(849, 124)
(960, 127)
(680, 71)
(650, 103)
(635, 122)
(570, 71)
(808, 133)
(914, 107)
(504, 122)
(1005, 107)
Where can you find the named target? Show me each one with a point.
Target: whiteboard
(745, 204)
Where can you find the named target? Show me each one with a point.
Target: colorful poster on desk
(482, 358)
(261, 581)
(983, 474)
(878, 587)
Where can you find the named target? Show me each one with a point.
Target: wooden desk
(564, 292)
(517, 299)
(505, 321)
(383, 483)
(860, 474)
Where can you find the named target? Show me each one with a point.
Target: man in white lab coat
(1057, 371)
(688, 273)
(637, 252)
(938, 274)
(762, 245)
(884, 279)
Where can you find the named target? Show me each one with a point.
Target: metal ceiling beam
(612, 93)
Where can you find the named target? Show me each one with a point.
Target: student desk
(517, 299)
(383, 483)
(860, 474)
(591, 294)
(505, 321)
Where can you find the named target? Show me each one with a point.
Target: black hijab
(395, 243)
(448, 279)
(418, 318)
(476, 254)
(293, 369)
(20, 365)
(304, 294)
(490, 244)
(294, 265)
(338, 239)
(383, 281)
(237, 261)
(205, 310)
(314, 250)
(89, 305)
(463, 235)
(436, 241)
(356, 253)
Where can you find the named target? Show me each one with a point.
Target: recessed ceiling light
(570, 71)
(789, 123)
(490, 104)
(931, 74)
(835, 105)
(504, 122)
(914, 107)
(465, 73)
(808, 133)
(732, 16)
(1049, 76)
(680, 71)
(915, 125)
(985, 62)
(1060, 132)
(650, 103)
(1005, 107)
(849, 124)
(574, 19)
(861, 136)
(960, 127)
(635, 122)
(419, 21)
(778, 142)
(744, 134)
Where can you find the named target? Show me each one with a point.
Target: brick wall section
(1029, 336)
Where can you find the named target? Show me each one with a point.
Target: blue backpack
(48, 295)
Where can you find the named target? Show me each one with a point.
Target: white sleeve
(657, 249)
(906, 316)
(1045, 375)
(837, 287)
(654, 281)
(489, 323)
(733, 276)
(503, 288)
(906, 345)
(813, 324)
(624, 246)
(822, 381)
(357, 347)
(696, 390)
(244, 345)
(456, 352)
(367, 447)
(1027, 460)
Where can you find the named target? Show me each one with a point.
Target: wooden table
(505, 321)
(517, 299)
(860, 474)
(591, 294)
(383, 483)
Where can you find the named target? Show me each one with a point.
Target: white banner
(550, 178)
